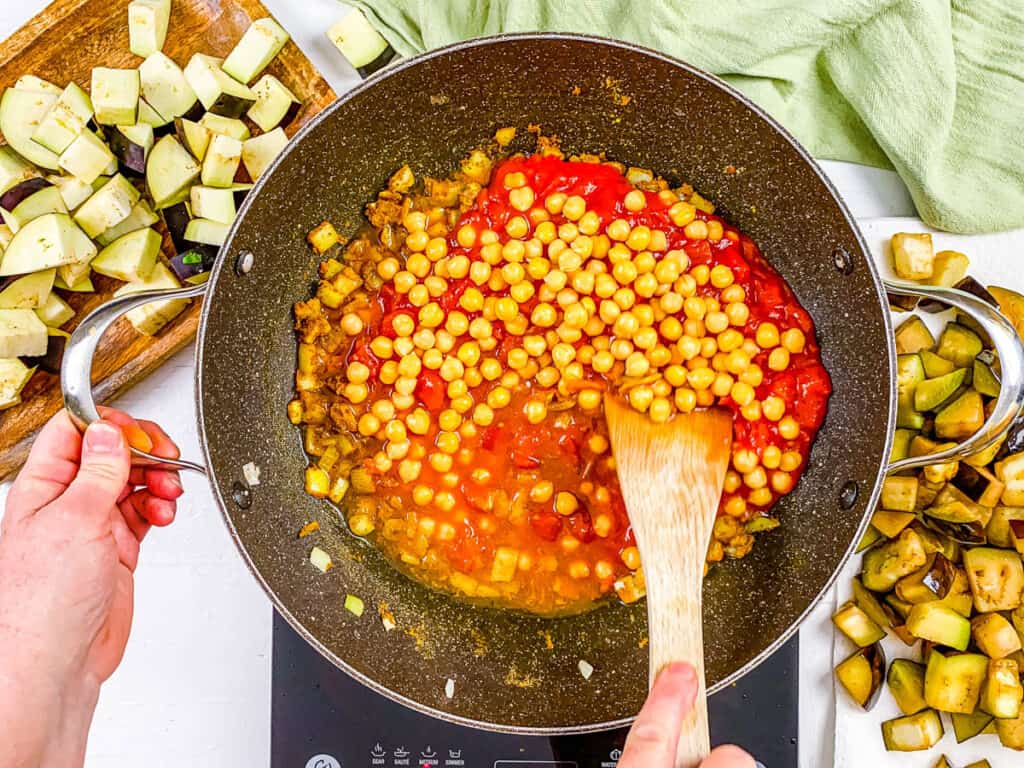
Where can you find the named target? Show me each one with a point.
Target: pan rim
(470, 44)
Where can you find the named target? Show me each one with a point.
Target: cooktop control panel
(321, 718)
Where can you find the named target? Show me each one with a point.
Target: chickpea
(682, 213)
(417, 241)
(574, 208)
(590, 223)
(701, 274)
(767, 335)
(743, 394)
(589, 399)
(541, 492)
(418, 422)
(640, 398)
(566, 503)
(708, 347)
(789, 428)
(793, 340)
(773, 407)
(554, 202)
(762, 497)
(635, 200)
(578, 569)
(422, 495)
(696, 230)
(752, 376)
(388, 268)
(782, 482)
(499, 397)
(521, 198)
(757, 478)
(630, 557)
(618, 230)
(716, 322)
(738, 314)
(732, 481)
(736, 506)
(442, 462)
(791, 461)
(722, 276)
(437, 249)
(409, 471)
(639, 238)
(778, 359)
(660, 410)
(536, 411)
(751, 411)
(722, 385)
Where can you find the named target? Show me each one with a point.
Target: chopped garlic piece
(251, 473)
(586, 669)
(449, 688)
(320, 559)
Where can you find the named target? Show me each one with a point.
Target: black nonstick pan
(595, 95)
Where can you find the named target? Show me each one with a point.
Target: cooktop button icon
(322, 761)
(454, 754)
(428, 753)
(615, 755)
(377, 751)
(401, 752)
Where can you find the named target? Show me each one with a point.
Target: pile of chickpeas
(585, 306)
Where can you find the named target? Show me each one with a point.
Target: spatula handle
(673, 638)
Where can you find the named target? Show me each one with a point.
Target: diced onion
(320, 559)
(354, 605)
(387, 618)
(586, 669)
(251, 473)
(449, 688)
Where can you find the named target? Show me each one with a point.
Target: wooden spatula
(671, 477)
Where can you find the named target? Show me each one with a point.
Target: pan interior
(515, 672)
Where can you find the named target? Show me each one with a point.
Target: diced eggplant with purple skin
(969, 285)
(964, 533)
(131, 154)
(1014, 442)
(978, 484)
(903, 303)
(176, 219)
(49, 362)
(931, 582)
(862, 674)
(199, 258)
(10, 199)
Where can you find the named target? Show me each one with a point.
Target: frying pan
(514, 672)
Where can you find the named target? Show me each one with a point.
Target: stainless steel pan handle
(1011, 360)
(76, 367)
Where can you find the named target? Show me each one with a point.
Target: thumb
(653, 738)
(102, 474)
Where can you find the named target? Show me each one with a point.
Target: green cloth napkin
(931, 88)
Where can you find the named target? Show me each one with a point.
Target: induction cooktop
(322, 718)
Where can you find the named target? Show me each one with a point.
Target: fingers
(166, 485)
(102, 474)
(654, 736)
(157, 511)
(728, 756)
(51, 466)
(134, 433)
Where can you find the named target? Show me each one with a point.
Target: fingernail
(175, 481)
(103, 438)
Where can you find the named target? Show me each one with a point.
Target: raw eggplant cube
(147, 25)
(275, 104)
(260, 43)
(165, 88)
(221, 161)
(218, 91)
(115, 95)
(260, 151)
(87, 157)
(109, 206)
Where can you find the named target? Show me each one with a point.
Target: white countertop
(194, 687)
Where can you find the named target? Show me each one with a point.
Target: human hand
(69, 544)
(653, 738)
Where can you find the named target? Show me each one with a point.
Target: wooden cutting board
(64, 42)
